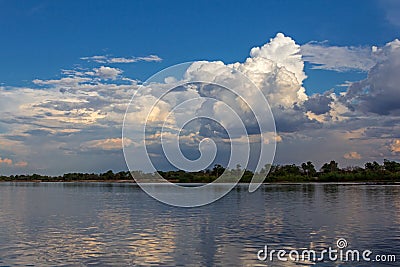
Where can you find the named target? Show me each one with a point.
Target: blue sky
(42, 37)
(344, 45)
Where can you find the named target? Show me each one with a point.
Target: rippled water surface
(85, 224)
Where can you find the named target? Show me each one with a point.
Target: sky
(329, 70)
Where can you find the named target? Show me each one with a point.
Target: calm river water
(101, 224)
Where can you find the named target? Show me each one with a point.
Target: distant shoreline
(177, 182)
(372, 173)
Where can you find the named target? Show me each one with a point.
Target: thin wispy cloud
(111, 60)
(105, 144)
(338, 58)
(392, 10)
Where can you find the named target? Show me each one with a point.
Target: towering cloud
(277, 69)
(284, 52)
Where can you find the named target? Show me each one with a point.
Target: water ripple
(118, 225)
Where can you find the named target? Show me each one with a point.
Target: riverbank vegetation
(389, 171)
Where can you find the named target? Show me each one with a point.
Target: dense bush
(389, 171)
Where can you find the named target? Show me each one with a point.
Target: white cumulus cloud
(107, 72)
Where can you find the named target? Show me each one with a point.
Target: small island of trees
(373, 172)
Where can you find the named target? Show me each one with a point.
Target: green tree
(330, 167)
(374, 166)
(309, 169)
(217, 170)
(391, 166)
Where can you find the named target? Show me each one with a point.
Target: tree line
(389, 171)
